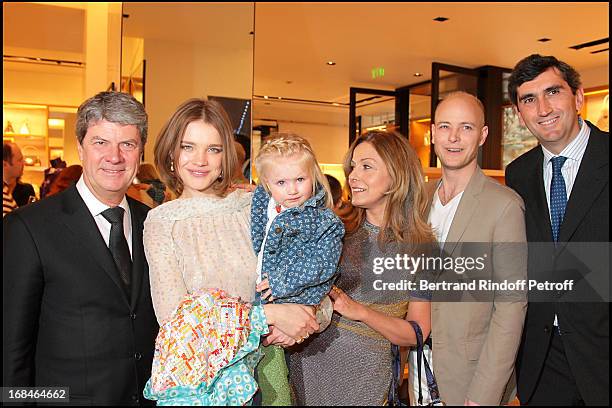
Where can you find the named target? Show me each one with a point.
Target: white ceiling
(205, 24)
(293, 41)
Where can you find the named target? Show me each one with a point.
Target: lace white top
(196, 243)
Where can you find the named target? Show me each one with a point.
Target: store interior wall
(199, 64)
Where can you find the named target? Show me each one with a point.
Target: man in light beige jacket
(475, 342)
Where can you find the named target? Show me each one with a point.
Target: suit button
(133, 316)
(278, 230)
(546, 329)
(137, 356)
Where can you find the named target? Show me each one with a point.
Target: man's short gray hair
(114, 107)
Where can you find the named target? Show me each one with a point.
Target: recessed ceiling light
(418, 74)
(265, 96)
(331, 63)
(440, 19)
(336, 104)
(544, 39)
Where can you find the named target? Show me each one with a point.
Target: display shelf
(26, 126)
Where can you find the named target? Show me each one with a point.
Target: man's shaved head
(470, 99)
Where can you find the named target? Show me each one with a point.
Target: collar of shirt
(96, 207)
(272, 213)
(575, 150)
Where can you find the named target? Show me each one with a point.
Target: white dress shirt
(96, 207)
(574, 153)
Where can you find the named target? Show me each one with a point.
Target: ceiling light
(265, 97)
(331, 63)
(543, 39)
(336, 104)
(418, 74)
(440, 19)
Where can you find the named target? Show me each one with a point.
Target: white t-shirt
(271, 216)
(441, 216)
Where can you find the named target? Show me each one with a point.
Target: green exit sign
(378, 72)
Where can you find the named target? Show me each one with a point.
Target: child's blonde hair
(286, 145)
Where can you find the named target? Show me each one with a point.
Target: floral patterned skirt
(206, 353)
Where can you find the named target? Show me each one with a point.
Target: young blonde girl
(298, 239)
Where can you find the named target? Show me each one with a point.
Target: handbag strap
(432, 385)
(393, 398)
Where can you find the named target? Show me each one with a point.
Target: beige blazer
(475, 343)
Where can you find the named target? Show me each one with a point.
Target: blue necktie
(558, 196)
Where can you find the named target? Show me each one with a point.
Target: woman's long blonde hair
(405, 216)
(286, 145)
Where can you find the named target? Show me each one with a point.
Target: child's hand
(265, 285)
(277, 337)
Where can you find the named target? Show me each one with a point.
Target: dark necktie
(558, 196)
(118, 246)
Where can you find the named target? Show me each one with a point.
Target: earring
(172, 166)
(220, 178)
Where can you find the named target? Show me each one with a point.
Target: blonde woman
(350, 363)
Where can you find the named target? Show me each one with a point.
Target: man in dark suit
(564, 354)
(77, 308)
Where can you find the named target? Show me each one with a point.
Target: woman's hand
(278, 338)
(346, 306)
(297, 321)
(263, 285)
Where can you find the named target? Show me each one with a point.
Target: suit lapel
(138, 257)
(79, 221)
(465, 211)
(537, 203)
(589, 183)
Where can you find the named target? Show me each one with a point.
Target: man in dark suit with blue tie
(564, 354)
(77, 309)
